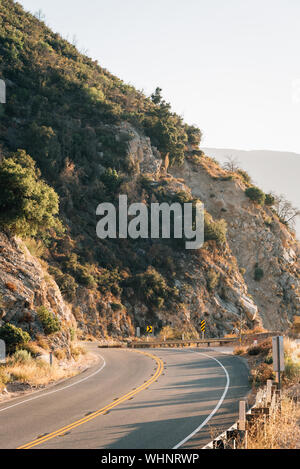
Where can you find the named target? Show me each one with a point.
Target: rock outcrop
(257, 240)
(25, 286)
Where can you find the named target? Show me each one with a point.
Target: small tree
(27, 204)
(231, 164)
(285, 210)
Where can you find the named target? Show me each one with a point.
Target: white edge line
(56, 390)
(215, 409)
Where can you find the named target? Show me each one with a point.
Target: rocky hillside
(273, 171)
(257, 239)
(25, 286)
(72, 132)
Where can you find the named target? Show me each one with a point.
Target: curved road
(149, 399)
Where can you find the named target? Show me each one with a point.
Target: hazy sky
(231, 67)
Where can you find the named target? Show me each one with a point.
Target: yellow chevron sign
(202, 326)
(149, 329)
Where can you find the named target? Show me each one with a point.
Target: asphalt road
(150, 399)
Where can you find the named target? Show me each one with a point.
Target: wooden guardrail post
(242, 415)
(243, 433)
(268, 401)
(269, 391)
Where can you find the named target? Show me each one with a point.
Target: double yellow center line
(105, 409)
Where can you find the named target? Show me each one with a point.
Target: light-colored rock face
(254, 241)
(140, 149)
(25, 286)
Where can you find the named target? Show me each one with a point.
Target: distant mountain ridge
(273, 171)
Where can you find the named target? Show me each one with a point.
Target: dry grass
(260, 375)
(42, 342)
(23, 368)
(37, 373)
(33, 348)
(77, 351)
(292, 348)
(291, 373)
(240, 350)
(280, 431)
(256, 330)
(174, 333)
(4, 378)
(36, 248)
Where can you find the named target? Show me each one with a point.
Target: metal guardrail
(195, 342)
(182, 343)
(198, 342)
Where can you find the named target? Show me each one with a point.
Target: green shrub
(269, 359)
(254, 350)
(72, 333)
(116, 306)
(14, 337)
(66, 283)
(214, 230)
(258, 273)
(152, 287)
(84, 276)
(111, 179)
(270, 199)
(245, 176)
(21, 356)
(256, 195)
(50, 323)
(82, 273)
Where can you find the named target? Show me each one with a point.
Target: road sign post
(150, 330)
(138, 332)
(2, 92)
(278, 357)
(2, 351)
(202, 327)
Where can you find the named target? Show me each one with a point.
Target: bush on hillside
(256, 195)
(270, 199)
(212, 280)
(258, 273)
(66, 282)
(50, 323)
(214, 230)
(14, 337)
(152, 287)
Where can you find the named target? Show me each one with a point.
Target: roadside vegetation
(261, 362)
(282, 429)
(28, 361)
